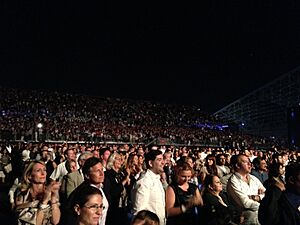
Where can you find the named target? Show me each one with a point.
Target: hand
(260, 191)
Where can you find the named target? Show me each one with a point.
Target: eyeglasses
(95, 207)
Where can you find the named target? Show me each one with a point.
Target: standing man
(245, 190)
(148, 192)
(93, 176)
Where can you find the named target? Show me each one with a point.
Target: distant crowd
(72, 117)
(92, 184)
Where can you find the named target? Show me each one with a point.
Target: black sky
(206, 55)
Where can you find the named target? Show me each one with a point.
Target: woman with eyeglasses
(88, 206)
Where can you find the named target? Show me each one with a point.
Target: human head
(276, 169)
(243, 164)
(33, 168)
(93, 171)
(70, 154)
(145, 217)
(114, 162)
(260, 164)
(83, 157)
(212, 183)
(183, 172)
(154, 161)
(292, 177)
(71, 165)
(88, 205)
(210, 160)
(221, 159)
(104, 153)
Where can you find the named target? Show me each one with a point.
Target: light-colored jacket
(148, 194)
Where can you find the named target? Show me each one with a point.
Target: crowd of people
(73, 117)
(93, 161)
(93, 184)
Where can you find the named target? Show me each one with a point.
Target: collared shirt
(148, 194)
(239, 191)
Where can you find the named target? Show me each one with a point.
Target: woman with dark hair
(88, 206)
(182, 197)
(209, 168)
(276, 173)
(216, 210)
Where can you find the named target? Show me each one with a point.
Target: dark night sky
(206, 55)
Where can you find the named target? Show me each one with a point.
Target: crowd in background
(68, 171)
(72, 117)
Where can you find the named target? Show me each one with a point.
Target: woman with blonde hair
(37, 203)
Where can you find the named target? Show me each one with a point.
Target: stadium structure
(266, 111)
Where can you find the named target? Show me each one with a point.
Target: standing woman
(182, 197)
(114, 189)
(37, 203)
(88, 206)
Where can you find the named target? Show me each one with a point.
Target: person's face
(184, 176)
(190, 162)
(222, 160)
(135, 160)
(141, 160)
(263, 165)
(210, 161)
(44, 155)
(244, 164)
(216, 185)
(106, 155)
(281, 170)
(73, 166)
(71, 155)
(117, 164)
(157, 165)
(96, 154)
(96, 174)
(38, 174)
(280, 160)
(91, 211)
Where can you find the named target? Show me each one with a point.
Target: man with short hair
(260, 169)
(148, 192)
(94, 176)
(245, 190)
(61, 169)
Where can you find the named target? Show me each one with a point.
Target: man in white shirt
(148, 192)
(61, 169)
(245, 190)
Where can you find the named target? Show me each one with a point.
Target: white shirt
(239, 191)
(59, 171)
(148, 194)
(105, 204)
